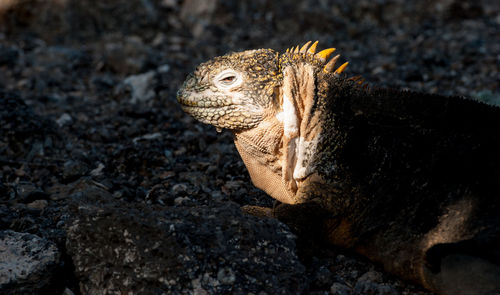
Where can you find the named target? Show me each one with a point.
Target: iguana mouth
(219, 115)
(189, 100)
(203, 99)
(208, 112)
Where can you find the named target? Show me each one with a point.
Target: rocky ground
(107, 187)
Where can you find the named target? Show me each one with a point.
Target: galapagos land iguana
(409, 180)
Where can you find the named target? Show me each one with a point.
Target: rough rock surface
(27, 262)
(120, 248)
(25, 135)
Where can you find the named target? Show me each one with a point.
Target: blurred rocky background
(106, 187)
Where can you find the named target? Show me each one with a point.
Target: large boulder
(119, 248)
(27, 262)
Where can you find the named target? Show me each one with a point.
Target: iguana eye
(227, 79)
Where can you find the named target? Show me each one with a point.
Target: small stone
(97, 171)
(146, 137)
(371, 276)
(28, 192)
(163, 68)
(38, 204)
(340, 289)
(118, 194)
(180, 200)
(160, 194)
(198, 288)
(74, 169)
(226, 276)
(169, 3)
(64, 119)
(141, 87)
(323, 277)
(386, 290)
(365, 288)
(179, 188)
(20, 172)
(58, 192)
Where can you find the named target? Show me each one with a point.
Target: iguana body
(410, 180)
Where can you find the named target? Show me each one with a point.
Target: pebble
(74, 169)
(179, 188)
(226, 276)
(371, 276)
(323, 277)
(28, 192)
(38, 204)
(141, 87)
(181, 200)
(97, 171)
(64, 119)
(340, 289)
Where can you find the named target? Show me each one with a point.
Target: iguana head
(274, 104)
(233, 91)
(237, 90)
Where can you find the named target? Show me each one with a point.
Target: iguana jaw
(219, 109)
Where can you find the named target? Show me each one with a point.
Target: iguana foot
(258, 211)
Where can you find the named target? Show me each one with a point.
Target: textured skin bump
(410, 180)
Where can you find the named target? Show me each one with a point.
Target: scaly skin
(410, 180)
